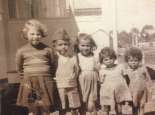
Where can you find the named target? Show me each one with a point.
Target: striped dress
(36, 66)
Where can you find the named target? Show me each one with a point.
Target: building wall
(10, 29)
(23, 9)
(16, 40)
(3, 55)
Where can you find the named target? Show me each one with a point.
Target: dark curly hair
(107, 52)
(133, 52)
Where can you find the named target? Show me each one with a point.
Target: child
(88, 75)
(138, 77)
(114, 92)
(34, 62)
(67, 73)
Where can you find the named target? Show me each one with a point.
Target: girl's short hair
(107, 52)
(85, 36)
(33, 23)
(133, 52)
(60, 34)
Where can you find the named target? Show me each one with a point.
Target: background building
(104, 19)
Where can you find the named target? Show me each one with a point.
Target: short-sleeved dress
(88, 78)
(114, 89)
(138, 83)
(36, 87)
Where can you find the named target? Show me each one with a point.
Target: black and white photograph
(77, 57)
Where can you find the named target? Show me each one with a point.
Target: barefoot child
(114, 92)
(66, 73)
(138, 77)
(88, 72)
(34, 62)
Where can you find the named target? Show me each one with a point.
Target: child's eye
(66, 44)
(32, 33)
(60, 44)
(39, 34)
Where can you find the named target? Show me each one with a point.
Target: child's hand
(101, 77)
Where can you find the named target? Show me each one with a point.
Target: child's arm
(101, 76)
(19, 62)
(53, 61)
(124, 74)
(77, 67)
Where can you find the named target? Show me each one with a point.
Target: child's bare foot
(31, 113)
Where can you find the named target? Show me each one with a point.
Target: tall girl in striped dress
(34, 62)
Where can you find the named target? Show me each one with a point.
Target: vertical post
(3, 39)
(136, 40)
(71, 4)
(115, 40)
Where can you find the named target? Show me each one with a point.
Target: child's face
(108, 62)
(62, 47)
(34, 36)
(133, 62)
(85, 47)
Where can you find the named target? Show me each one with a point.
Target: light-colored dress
(66, 73)
(88, 78)
(114, 89)
(138, 83)
(66, 79)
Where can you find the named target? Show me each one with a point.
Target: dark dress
(35, 64)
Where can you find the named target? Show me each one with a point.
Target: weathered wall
(16, 40)
(3, 52)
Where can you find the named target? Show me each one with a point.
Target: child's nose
(62, 46)
(36, 37)
(86, 48)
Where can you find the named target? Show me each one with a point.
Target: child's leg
(92, 107)
(63, 98)
(31, 113)
(32, 110)
(125, 108)
(73, 100)
(82, 109)
(105, 109)
(74, 111)
(135, 110)
(62, 112)
(45, 110)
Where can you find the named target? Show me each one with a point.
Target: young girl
(34, 62)
(114, 92)
(66, 73)
(138, 77)
(88, 75)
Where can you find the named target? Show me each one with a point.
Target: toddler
(114, 92)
